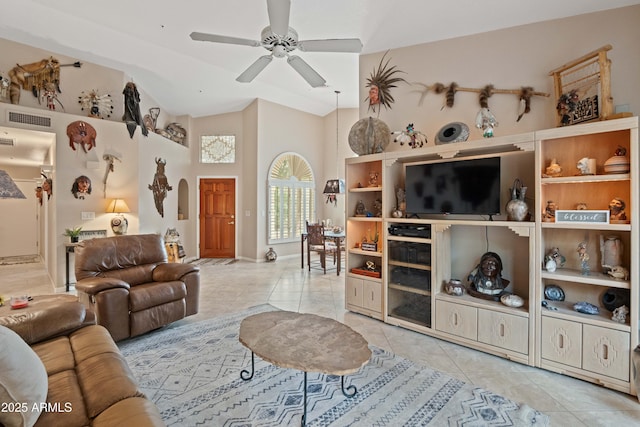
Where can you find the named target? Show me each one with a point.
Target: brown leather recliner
(128, 283)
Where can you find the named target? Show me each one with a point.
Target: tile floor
(283, 284)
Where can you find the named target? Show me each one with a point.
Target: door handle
(231, 223)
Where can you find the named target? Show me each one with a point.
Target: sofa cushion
(23, 381)
(152, 294)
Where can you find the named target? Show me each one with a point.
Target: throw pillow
(23, 381)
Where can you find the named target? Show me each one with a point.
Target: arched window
(291, 198)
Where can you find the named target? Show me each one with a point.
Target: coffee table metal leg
(246, 375)
(304, 413)
(352, 390)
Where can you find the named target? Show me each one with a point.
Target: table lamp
(119, 223)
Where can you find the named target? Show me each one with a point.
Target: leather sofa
(56, 359)
(127, 281)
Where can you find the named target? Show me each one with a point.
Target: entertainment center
(413, 257)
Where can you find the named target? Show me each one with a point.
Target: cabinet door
(372, 296)
(354, 291)
(457, 319)
(503, 330)
(606, 352)
(562, 341)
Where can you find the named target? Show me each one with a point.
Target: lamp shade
(334, 186)
(118, 206)
(8, 188)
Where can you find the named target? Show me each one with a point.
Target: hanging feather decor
(524, 105)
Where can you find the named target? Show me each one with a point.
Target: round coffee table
(305, 342)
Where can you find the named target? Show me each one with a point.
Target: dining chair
(318, 243)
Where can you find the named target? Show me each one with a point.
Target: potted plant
(73, 233)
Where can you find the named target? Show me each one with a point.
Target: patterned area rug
(192, 373)
(214, 261)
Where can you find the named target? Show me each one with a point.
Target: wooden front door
(217, 218)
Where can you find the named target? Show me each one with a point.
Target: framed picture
(92, 234)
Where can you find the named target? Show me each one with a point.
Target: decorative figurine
(587, 166)
(486, 278)
(454, 287)
(620, 314)
(553, 170)
(160, 186)
(611, 250)
(619, 272)
(377, 208)
(360, 209)
(616, 210)
(81, 186)
(549, 214)
(586, 308)
(582, 206)
(555, 258)
(584, 258)
(413, 138)
(373, 179)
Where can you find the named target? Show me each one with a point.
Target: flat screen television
(464, 187)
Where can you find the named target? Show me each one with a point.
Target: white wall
(508, 59)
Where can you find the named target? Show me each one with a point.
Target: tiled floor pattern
(283, 284)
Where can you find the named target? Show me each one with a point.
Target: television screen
(466, 187)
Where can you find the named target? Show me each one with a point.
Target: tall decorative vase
(517, 209)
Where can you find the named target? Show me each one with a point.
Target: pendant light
(335, 186)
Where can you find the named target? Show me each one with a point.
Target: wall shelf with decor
(577, 334)
(593, 347)
(364, 231)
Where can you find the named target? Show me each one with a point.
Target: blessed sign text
(583, 216)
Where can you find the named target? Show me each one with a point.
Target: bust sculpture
(485, 281)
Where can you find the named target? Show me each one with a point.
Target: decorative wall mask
(39, 194)
(81, 187)
(83, 134)
(132, 116)
(160, 186)
(99, 106)
(47, 186)
(380, 83)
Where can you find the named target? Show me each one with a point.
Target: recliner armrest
(94, 285)
(167, 272)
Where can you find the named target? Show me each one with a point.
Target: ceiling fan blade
(254, 69)
(279, 16)
(305, 70)
(205, 37)
(331, 45)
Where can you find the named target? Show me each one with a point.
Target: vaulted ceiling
(149, 41)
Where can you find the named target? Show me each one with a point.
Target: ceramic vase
(517, 209)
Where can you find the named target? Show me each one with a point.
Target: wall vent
(7, 141)
(29, 119)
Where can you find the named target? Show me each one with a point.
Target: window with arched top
(291, 198)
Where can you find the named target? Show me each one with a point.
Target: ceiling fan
(280, 39)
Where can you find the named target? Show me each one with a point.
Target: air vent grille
(7, 141)
(29, 119)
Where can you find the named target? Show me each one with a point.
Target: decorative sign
(583, 217)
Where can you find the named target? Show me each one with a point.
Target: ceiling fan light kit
(280, 39)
